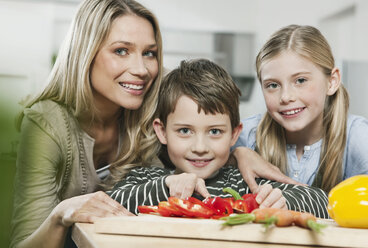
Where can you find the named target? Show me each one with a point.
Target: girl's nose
(287, 95)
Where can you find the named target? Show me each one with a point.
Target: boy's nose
(199, 145)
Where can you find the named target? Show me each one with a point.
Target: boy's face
(197, 143)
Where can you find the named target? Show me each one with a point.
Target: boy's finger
(201, 189)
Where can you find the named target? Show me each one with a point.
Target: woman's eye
(184, 131)
(215, 131)
(150, 53)
(301, 80)
(121, 51)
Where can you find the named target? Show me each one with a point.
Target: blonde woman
(95, 113)
(306, 132)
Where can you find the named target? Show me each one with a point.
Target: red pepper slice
(191, 208)
(167, 210)
(241, 205)
(220, 206)
(251, 202)
(147, 209)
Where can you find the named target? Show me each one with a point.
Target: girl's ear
(159, 128)
(334, 81)
(235, 134)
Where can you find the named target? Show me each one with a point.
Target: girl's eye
(215, 131)
(121, 51)
(150, 53)
(271, 85)
(184, 130)
(301, 80)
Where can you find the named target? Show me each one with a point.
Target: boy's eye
(184, 130)
(121, 51)
(150, 53)
(215, 131)
(301, 80)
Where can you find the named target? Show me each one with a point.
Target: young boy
(198, 121)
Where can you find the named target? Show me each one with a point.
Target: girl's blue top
(304, 170)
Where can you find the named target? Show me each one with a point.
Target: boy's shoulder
(151, 170)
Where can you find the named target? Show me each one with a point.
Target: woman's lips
(133, 88)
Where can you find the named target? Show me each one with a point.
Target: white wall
(31, 31)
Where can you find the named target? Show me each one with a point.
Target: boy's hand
(185, 184)
(268, 197)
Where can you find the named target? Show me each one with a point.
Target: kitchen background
(229, 32)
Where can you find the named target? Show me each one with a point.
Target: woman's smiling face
(125, 65)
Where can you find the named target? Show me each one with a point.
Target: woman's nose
(138, 66)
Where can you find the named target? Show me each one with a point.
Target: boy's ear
(159, 128)
(236, 132)
(334, 81)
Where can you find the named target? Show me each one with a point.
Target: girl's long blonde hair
(69, 81)
(308, 42)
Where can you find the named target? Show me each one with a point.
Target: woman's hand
(185, 184)
(84, 208)
(252, 165)
(87, 208)
(268, 197)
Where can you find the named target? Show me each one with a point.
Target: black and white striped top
(146, 186)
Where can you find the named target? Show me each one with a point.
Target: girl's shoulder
(357, 131)
(357, 122)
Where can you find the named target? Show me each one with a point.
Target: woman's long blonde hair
(308, 42)
(69, 81)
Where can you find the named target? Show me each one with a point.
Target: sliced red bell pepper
(220, 206)
(147, 209)
(191, 208)
(251, 202)
(241, 206)
(167, 210)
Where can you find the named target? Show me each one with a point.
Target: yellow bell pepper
(348, 202)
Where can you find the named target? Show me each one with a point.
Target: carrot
(284, 218)
(269, 216)
(262, 214)
(279, 217)
(307, 220)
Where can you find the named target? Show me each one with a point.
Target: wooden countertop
(155, 231)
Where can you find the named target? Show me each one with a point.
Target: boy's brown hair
(206, 83)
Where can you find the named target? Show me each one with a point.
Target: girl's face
(125, 65)
(295, 90)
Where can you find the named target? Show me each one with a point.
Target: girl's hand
(87, 208)
(268, 197)
(185, 184)
(252, 165)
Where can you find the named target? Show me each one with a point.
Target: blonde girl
(306, 132)
(95, 115)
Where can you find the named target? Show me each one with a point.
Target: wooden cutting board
(150, 225)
